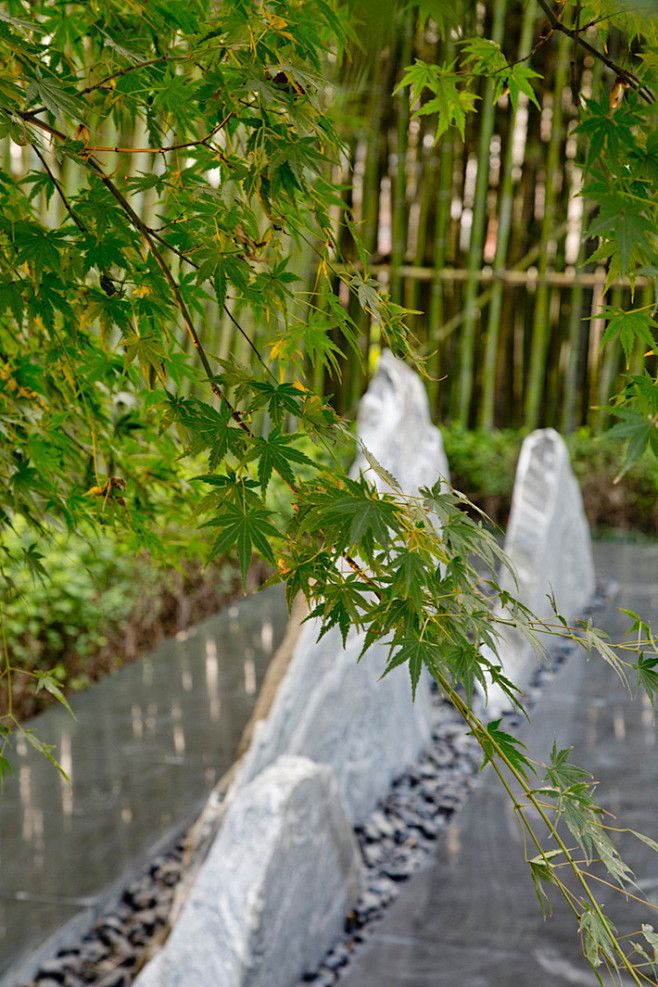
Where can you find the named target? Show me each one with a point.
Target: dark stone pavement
(471, 918)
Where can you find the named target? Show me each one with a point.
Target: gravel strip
(395, 840)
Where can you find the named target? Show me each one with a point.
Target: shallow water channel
(145, 748)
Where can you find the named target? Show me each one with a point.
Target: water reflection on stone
(144, 749)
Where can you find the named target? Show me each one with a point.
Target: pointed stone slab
(273, 894)
(548, 543)
(394, 424)
(335, 710)
(330, 707)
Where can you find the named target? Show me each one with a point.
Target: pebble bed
(395, 840)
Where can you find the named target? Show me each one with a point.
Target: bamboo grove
(187, 265)
(484, 233)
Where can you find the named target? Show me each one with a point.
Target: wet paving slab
(472, 917)
(146, 746)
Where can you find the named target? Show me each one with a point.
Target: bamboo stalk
(541, 321)
(399, 212)
(487, 115)
(505, 204)
(378, 102)
(572, 361)
(426, 190)
(437, 293)
(609, 363)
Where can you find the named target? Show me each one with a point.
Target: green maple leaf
(597, 939)
(562, 773)
(650, 936)
(450, 102)
(647, 676)
(608, 132)
(210, 428)
(518, 80)
(148, 352)
(276, 452)
(639, 429)
(629, 326)
(485, 57)
(5, 767)
(626, 226)
(541, 871)
(417, 653)
(280, 399)
(39, 247)
(248, 529)
(410, 575)
(497, 743)
(57, 97)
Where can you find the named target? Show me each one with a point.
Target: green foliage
(497, 741)
(61, 597)
(483, 464)
(113, 284)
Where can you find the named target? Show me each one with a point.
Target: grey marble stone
(274, 892)
(337, 711)
(548, 543)
(394, 424)
(329, 707)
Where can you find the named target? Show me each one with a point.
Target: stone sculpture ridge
(548, 543)
(282, 873)
(329, 707)
(273, 893)
(394, 424)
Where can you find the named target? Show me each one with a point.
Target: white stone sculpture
(273, 893)
(394, 424)
(282, 872)
(548, 543)
(329, 707)
(337, 711)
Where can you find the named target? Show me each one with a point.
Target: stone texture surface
(328, 707)
(395, 426)
(274, 892)
(548, 542)
(359, 731)
(337, 712)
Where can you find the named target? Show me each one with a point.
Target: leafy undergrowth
(99, 608)
(482, 466)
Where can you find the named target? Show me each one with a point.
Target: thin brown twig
(174, 287)
(150, 240)
(247, 337)
(60, 190)
(117, 74)
(132, 68)
(629, 77)
(541, 42)
(164, 150)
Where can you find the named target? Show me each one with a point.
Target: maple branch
(151, 236)
(160, 261)
(67, 205)
(247, 337)
(173, 285)
(628, 77)
(117, 74)
(164, 150)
